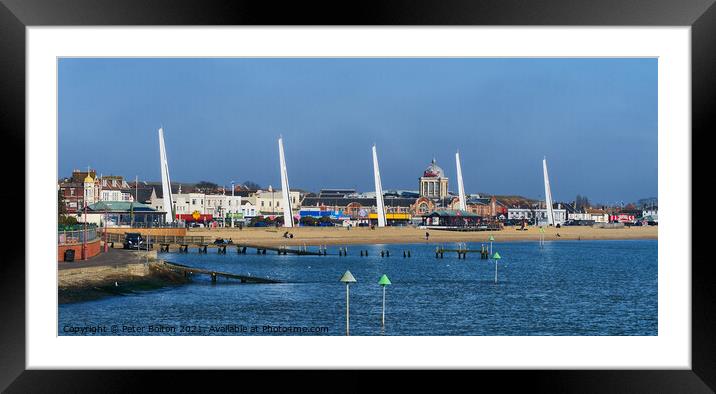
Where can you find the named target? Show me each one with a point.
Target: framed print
(467, 185)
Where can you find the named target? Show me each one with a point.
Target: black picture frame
(15, 15)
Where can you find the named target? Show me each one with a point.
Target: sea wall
(92, 249)
(88, 283)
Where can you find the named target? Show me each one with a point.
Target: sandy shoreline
(312, 236)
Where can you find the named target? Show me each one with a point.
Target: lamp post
(106, 247)
(348, 278)
(84, 236)
(232, 201)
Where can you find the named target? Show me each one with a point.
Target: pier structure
(461, 251)
(203, 244)
(188, 271)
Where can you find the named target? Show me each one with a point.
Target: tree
(206, 185)
(61, 204)
(581, 202)
(251, 185)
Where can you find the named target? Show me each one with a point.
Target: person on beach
(427, 235)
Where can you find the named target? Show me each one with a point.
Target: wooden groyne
(462, 251)
(188, 271)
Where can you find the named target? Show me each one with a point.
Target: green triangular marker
(541, 230)
(496, 256)
(384, 281)
(348, 278)
(491, 238)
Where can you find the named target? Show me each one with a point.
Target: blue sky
(594, 119)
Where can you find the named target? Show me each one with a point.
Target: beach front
(312, 236)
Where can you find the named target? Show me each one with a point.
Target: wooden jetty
(186, 270)
(203, 244)
(462, 251)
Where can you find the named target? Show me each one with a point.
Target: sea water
(562, 288)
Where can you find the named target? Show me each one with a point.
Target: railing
(164, 239)
(77, 236)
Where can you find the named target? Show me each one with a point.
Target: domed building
(433, 183)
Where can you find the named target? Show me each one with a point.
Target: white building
(249, 210)
(115, 195)
(579, 216)
(222, 206)
(114, 188)
(560, 215)
(269, 202)
(598, 215)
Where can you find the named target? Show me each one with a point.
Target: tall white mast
(287, 214)
(166, 182)
(460, 187)
(547, 194)
(378, 190)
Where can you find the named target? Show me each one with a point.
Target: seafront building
(201, 205)
(538, 216)
(85, 188)
(401, 207)
(123, 213)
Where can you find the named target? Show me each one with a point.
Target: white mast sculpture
(287, 213)
(166, 182)
(378, 190)
(547, 194)
(460, 187)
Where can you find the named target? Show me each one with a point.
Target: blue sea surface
(565, 288)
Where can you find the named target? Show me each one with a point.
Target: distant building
(114, 188)
(269, 202)
(249, 210)
(433, 183)
(333, 193)
(123, 214)
(538, 216)
(85, 188)
(446, 218)
(598, 215)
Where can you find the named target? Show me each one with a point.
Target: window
(193, 201)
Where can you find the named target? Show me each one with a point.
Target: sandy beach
(311, 236)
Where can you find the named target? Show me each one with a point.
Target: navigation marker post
(491, 239)
(496, 257)
(384, 281)
(348, 278)
(541, 237)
